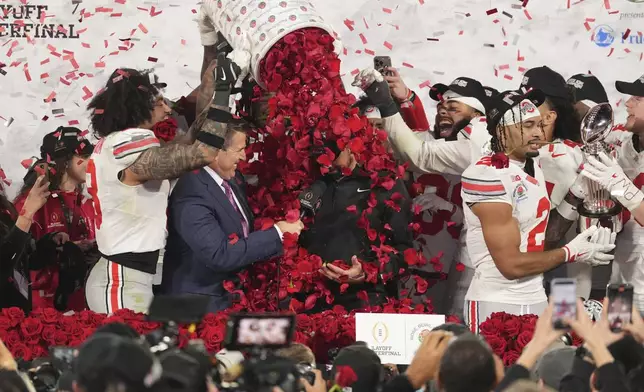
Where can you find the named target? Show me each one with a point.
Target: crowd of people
(489, 201)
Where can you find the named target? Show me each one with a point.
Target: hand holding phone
(564, 296)
(620, 305)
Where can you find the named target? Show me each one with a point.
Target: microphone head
(311, 198)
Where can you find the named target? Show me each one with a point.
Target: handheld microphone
(311, 198)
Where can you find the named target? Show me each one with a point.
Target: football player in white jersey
(624, 178)
(459, 105)
(128, 175)
(506, 208)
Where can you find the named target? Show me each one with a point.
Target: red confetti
(424, 84)
(611, 52)
(527, 14)
(352, 208)
(88, 93)
(607, 4)
(233, 238)
(355, 72)
(369, 51)
(386, 10)
(508, 77)
(362, 38)
(153, 12)
(407, 65)
(26, 163)
(365, 23)
(492, 11)
(349, 23)
(51, 96)
(143, 29)
(587, 26)
(626, 34)
(388, 45)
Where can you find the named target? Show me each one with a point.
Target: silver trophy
(598, 208)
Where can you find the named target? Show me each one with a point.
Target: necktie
(231, 199)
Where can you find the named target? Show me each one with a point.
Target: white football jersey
(629, 252)
(128, 218)
(560, 163)
(483, 183)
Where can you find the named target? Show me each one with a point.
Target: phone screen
(246, 331)
(620, 306)
(564, 293)
(381, 62)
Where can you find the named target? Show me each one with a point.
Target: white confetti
(8, 122)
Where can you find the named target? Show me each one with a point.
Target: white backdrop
(494, 41)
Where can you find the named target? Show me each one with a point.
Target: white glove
(207, 29)
(432, 202)
(607, 172)
(366, 77)
(591, 246)
(579, 188)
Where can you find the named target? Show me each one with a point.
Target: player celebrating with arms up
(506, 210)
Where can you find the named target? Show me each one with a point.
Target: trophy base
(611, 219)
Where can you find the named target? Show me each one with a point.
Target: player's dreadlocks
(498, 140)
(126, 101)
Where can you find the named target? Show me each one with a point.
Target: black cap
(364, 363)
(587, 87)
(545, 79)
(636, 88)
(116, 355)
(63, 142)
(507, 100)
(466, 87)
(490, 92)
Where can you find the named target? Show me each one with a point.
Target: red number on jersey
(436, 222)
(92, 189)
(543, 211)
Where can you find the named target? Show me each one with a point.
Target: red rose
(5, 323)
(491, 326)
(510, 357)
(12, 338)
(166, 130)
(500, 160)
(497, 344)
(38, 351)
(90, 318)
(512, 327)
(31, 327)
(49, 316)
(16, 315)
(20, 350)
(213, 337)
(48, 333)
(523, 339)
(345, 376)
(576, 340)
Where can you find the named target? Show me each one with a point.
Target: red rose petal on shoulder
(460, 267)
(233, 238)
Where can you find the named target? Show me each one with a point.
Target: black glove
(226, 73)
(380, 95)
(71, 274)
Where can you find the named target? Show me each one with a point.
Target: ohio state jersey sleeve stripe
(135, 146)
(482, 187)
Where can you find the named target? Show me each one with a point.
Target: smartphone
(380, 63)
(264, 331)
(620, 305)
(564, 294)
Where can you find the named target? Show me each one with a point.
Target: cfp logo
(380, 332)
(460, 83)
(578, 84)
(308, 196)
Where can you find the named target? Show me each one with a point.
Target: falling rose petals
(460, 267)
(352, 208)
(421, 285)
(411, 256)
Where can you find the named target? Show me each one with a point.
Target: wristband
(409, 96)
(567, 211)
(568, 254)
(219, 115)
(210, 139)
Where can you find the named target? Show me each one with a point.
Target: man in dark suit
(210, 227)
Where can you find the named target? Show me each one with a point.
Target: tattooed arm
(172, 160)
(207, 87)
